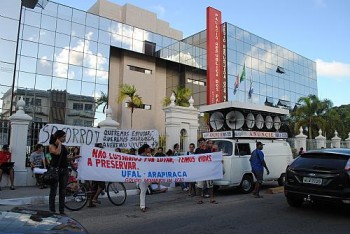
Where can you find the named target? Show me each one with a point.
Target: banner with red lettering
(107, 165)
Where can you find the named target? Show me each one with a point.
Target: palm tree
(129, 91)
(102, 100)
(182, 95)
(311, 113)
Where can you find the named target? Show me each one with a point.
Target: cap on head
(259, 143)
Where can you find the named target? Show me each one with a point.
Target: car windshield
(321, 161)
(225, 147)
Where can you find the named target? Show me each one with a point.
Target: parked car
(319, 176)
(20, 220)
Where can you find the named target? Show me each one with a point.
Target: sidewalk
(33, 195)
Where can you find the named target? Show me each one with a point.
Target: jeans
(62, 183)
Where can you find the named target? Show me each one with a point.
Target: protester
(169, 153)
(176, 150)
(191, 185)
(59, 154)
(144, 150)
(97, 186)
(132, 151)
(201, 185)
(160, 152)
(37, 160)
(6, 165)
(258, 163)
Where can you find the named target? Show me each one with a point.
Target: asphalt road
(176, 212)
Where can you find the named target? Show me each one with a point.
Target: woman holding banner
(59, 154)
(144, 150)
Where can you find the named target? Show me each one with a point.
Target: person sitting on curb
(6, 165)
(37, 160)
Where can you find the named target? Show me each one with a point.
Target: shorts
(259, 176)
(205, 184)
(99, 184)
(6, 169)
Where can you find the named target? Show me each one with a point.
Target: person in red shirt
(5, 156)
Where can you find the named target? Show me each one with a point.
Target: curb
(40, 200)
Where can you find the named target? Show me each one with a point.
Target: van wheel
(247, 184)
(282, 179)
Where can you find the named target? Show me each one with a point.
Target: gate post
(18, 144)
(336, 140)
(320, 140)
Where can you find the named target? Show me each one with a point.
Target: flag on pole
(236, 84)
(243, 74)
(251, 90)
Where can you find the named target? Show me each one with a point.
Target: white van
(237, 169)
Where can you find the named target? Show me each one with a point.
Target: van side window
(225, 147)
(242, 149)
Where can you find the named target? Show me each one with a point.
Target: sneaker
(206, 195)
(185, 189)
(12, 187)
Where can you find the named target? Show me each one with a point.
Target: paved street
(175, 212)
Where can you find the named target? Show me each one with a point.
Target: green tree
(135, 101)
(102, 100)
(182, 95)
(311, 113)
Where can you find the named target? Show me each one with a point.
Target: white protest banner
(107, 165)
(110, 138)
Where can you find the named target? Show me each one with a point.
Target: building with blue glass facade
(62, 60)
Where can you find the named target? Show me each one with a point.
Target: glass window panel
(46, 52)
(104, 37)
(89, 74)
(88, 89)
(90, 61)
(50, 9)
(48, 22)
(32, 18)
(29, 49)
(78, 16)
(44, 67)
(77, 44)
(59, 83)
(102, 63)
(91, 34)
(102, 77)
(7, 49)
(61, 55)
(116, 28)
(127, 30)
(64, 26)
(116, 40)
(138, 34)
(103, 50)
(8, 29)
(64, 12)
(10, 9)
(90, 47)
(26, 80)
(6, 73)
(105, 24)
(137, 46)
(75, 72)
(100, 88)
(28, 64)
(60, 69)
(92, 20)
(43, 82)
(74, 87)
(78, 30)
(47, 37)
(76, 58)
(127, 43)
(30, 33)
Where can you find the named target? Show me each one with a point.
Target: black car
(319, 176)
(22, 220)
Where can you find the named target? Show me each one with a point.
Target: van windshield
(224, 146)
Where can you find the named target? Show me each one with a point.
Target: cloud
(160, 11)
(333, 69)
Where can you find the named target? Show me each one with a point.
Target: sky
(316, 29)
